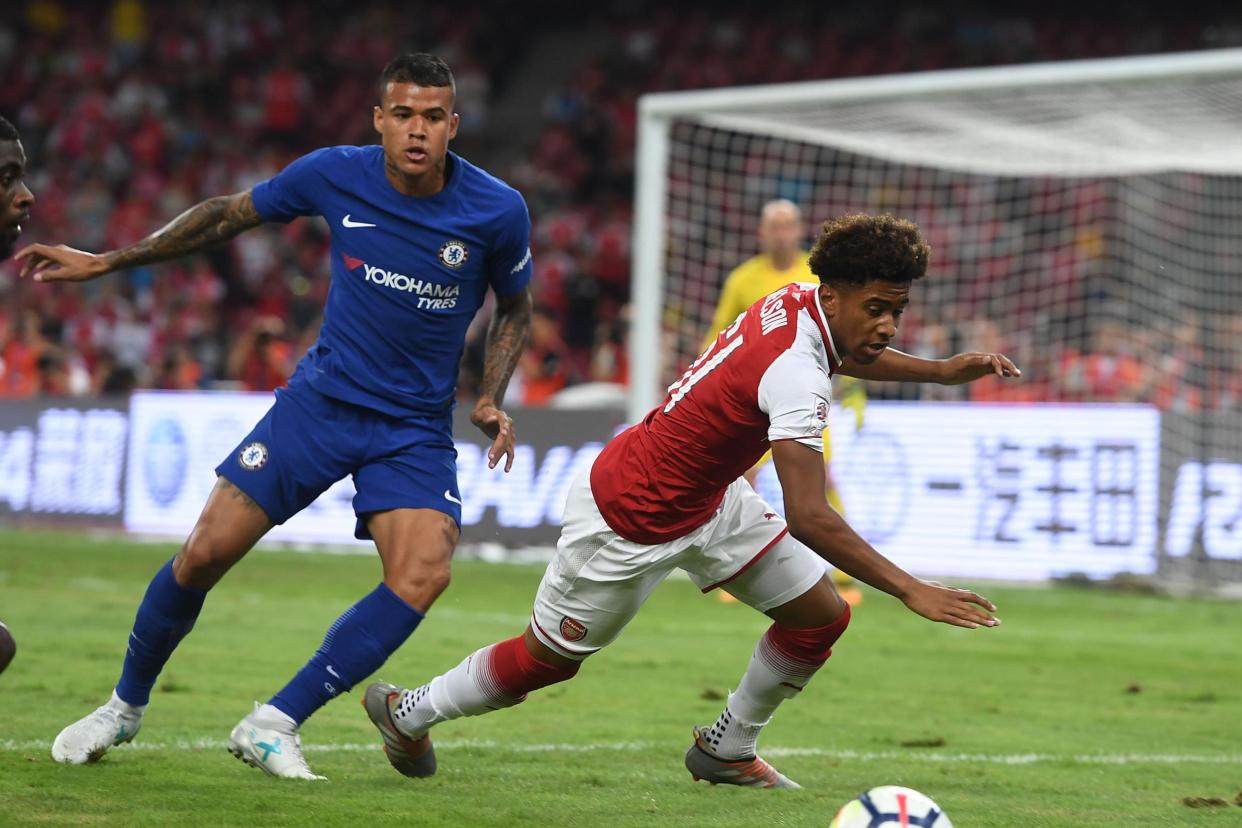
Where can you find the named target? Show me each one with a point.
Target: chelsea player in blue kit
(418, 237)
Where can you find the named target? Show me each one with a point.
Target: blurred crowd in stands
(1103, 290)
(132, 111)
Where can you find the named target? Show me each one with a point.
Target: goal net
(1084, 217)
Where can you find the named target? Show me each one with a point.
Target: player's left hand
(950, 605)
(499, 426)
(974, 365)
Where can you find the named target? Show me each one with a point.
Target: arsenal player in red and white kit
(667, 494)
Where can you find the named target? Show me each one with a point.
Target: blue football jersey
(408, 273)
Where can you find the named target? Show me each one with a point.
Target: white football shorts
(597, 580)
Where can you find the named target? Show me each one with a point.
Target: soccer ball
(891, 806)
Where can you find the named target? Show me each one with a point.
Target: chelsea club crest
(253, 456)
(453, 253)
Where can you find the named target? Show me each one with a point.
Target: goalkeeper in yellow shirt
(781, 261)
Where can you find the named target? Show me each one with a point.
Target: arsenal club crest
(572, 630)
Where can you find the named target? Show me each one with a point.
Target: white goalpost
(1084, 216)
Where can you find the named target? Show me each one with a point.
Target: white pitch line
(634, 747)
(1013, 758)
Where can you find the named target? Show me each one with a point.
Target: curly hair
(860, 248)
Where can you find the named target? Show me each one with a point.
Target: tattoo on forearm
(506, 337)
(203, 225)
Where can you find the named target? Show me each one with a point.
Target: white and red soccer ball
(891, 806)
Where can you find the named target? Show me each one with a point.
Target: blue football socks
(166, 614)
(356, 645)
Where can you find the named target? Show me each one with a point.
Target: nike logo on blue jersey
(345, 221)
(448, 495)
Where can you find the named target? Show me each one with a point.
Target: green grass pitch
(1083, 709)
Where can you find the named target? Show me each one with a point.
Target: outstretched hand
(45, 263)
(974, 365)
(950, 605)
(499, 426)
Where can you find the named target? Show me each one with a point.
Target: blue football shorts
(307, 441)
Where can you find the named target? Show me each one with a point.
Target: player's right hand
(973, 365)
(950, 605)
(45, 263)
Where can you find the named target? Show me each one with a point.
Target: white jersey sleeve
(796, 393)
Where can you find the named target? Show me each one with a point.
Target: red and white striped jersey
(765, 378)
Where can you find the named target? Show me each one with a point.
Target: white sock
(119, 704)
(731, 737)
(466, 690)
(266, 711)
(770, 678)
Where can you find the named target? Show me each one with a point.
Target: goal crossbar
(790, 112)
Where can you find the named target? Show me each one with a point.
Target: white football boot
(270, 744)
(89, 738)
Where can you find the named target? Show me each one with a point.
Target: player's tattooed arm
(205, 224)
(896, 366)
(506, 338)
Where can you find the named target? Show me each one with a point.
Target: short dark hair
(422, 68)
(8, 132)
(859, 248)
